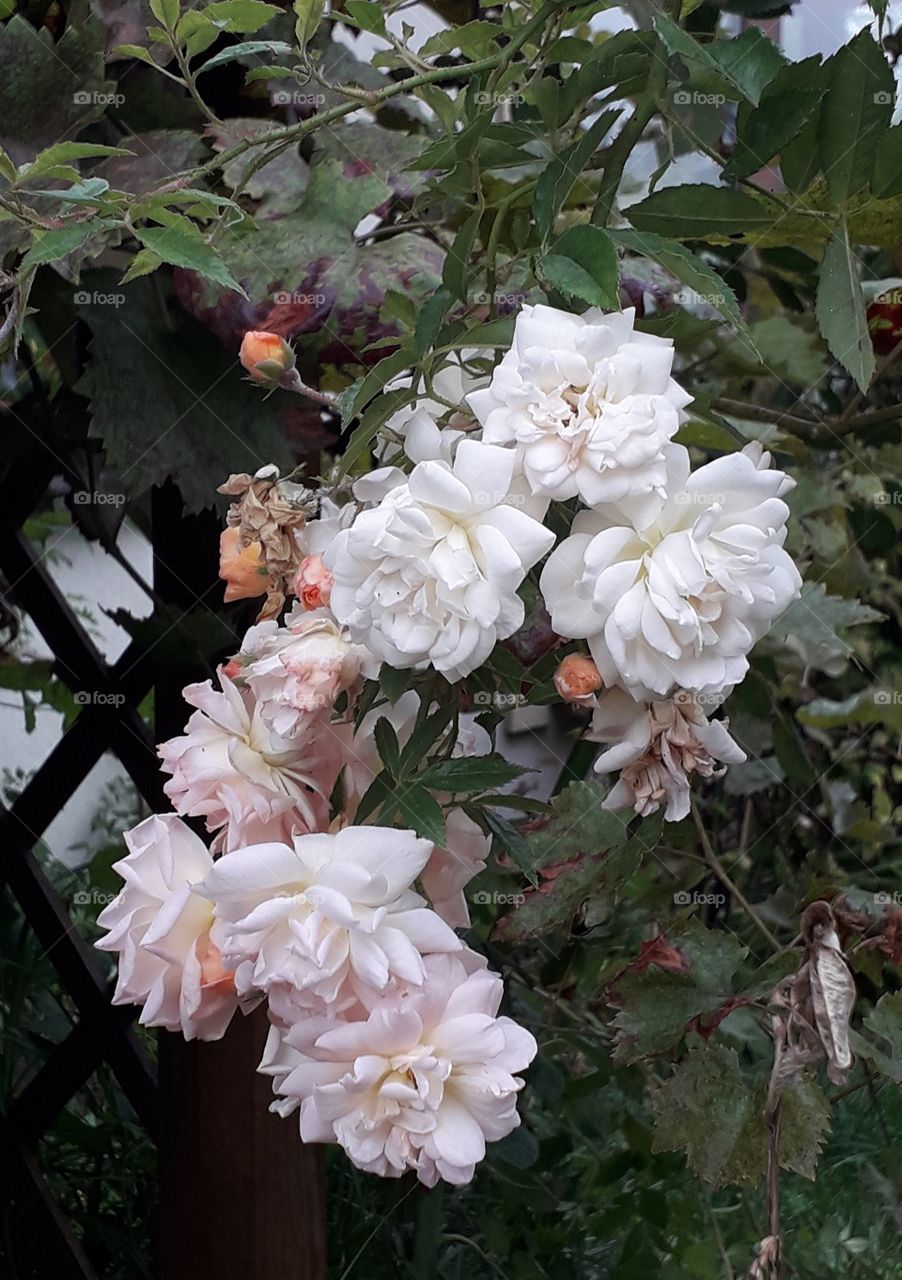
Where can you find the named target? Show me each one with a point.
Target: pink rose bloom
(313, 583)
(297, 672)
(243, 779)
(422, 1083)
(165, 935)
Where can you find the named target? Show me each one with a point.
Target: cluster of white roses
(670, 576)
(384, 1026)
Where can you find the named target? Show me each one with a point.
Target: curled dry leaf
(269, 511)
(832, 987)
(767, 1259)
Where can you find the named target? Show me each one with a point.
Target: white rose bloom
(423, 1083)
(431, 574)
(165, 935)
(589, 403)
(658, 747)
(414, 430)
(296, 672)
(677, 597)
(328, 920)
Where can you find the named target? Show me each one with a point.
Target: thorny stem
(291, 381)
(292, 133)
(717, 867)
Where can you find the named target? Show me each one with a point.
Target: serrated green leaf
(559, 174)
(856, 113)
(690, 270)
(165, 12)
(181, 248)
(65, 153)
(53, 245)
(883, 1023)
(136, 51)
(144, 262)
(366, 16)
(583, 264)
(308, 15)
(469, 773)
(840, 309)
(787, 103)
(237, 51)
(696, 211)
(813, 627)
(240, 17)
(741, 66)
(420, 810)
(457, 260)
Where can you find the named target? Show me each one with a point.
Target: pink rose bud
(266, 356)
(241, 569)
(577, 678)
(313, 583)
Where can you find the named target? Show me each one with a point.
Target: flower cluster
(385, 1032)
(384, 1026)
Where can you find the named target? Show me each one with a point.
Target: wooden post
(240, 1197)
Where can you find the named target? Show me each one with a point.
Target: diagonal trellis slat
(202, 1084)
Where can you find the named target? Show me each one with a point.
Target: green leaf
(65, 153)
(196, 32)
(887, 179)
(240, 17)
(696, 211)
(559, 174)
(142, 264)
(365, 15)
(387, 746)
(237, 51)
(741, 66)
(457, 261)
(856, 113)
(657, 1005)
(165, 12)
(814, 627)
(787, 103)
(884, 1023)
(474, 39)
(308, 14)
(840, 309)
(429, 321)
(691, 271)
(423, 812)
(469, 773)
(583, 264)
(176, 245)
(53, 245)
(273, 72)
(365, 433)
(136, 51)
(510, 840)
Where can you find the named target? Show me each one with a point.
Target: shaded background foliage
(642, 957)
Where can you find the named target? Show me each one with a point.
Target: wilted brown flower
(269, 511)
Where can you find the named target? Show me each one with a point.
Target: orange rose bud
(577, 678)
(242, 570)
(266, 356)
